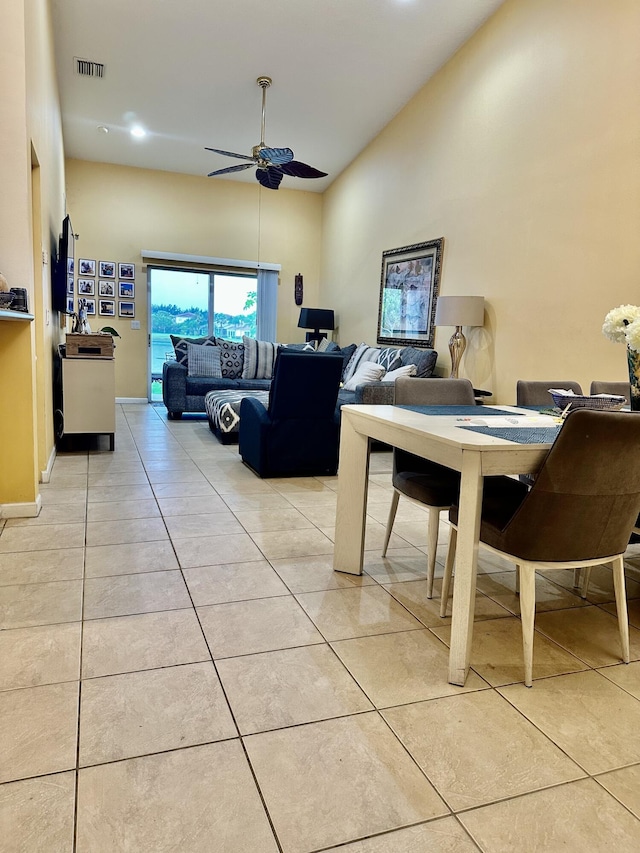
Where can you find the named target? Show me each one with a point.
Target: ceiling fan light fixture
(272, 163)
(138, 132)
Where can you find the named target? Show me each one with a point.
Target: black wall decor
(298, 295)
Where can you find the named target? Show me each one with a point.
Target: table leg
(353, 477)
(466, 566)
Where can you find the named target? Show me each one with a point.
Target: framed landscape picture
(127, 271)
(106, 288)
(409, 286)
(107, 307)
(107, 269)
(127, 289)
(86, 267)
(126, 309)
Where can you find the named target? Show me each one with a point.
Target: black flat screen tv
(62, 270)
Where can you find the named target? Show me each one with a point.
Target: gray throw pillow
(204, 361)
(231, 358)
(424, 360)
(180, 346)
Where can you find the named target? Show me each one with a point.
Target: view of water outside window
(180, 306)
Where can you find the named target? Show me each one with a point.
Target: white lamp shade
(460, 311)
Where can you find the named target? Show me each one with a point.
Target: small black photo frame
(107, 307)
(127, 271)
(70, 284)
(106, 288)
(127, 289)
(86, 266)
(126, 309)
(86, 286)
(107, 269)
(91, 306)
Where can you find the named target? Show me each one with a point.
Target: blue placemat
(520, 435)
(470, 411)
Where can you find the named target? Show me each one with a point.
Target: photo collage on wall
(105, 291)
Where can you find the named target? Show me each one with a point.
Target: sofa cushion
(198, 386)
(180, 346)
(231, 358)
(204, 361)
(363, 353)
(368, 371)
(424, 360)
(259, 358)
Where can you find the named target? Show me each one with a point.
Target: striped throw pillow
(363, 353)
(259, 358)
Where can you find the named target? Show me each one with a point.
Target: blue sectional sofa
(183, 391)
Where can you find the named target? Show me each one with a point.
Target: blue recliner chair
(297, 435)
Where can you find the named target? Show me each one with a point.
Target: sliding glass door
(194, 304)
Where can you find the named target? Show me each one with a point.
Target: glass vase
(633, 360)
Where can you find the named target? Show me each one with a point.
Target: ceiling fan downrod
(264, 83)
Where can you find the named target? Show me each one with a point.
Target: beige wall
(523, 154)
(30, 133)
(119, 211)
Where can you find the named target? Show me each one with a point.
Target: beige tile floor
(182, 670)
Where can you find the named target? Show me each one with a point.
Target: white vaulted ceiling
(185, 71)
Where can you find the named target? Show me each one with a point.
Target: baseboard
(21, 510)
(132, 400)
(45, 476)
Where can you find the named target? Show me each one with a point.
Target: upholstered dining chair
(433, 485)
(579, 512)
(622, 389)
(536, 392)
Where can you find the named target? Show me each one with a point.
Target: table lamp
(459, 311)
(316, 319)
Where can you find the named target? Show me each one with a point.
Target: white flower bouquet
(622, 326)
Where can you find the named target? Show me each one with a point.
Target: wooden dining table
(445, 439)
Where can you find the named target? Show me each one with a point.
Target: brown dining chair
(536, 392)
(622, 389)
(579, 512)
(433, 485)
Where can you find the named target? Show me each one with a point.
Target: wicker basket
(606, 402)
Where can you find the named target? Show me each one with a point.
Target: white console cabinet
(89, 396)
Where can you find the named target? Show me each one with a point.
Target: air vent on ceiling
(87, 68)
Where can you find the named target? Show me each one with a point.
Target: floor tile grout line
(77, 762)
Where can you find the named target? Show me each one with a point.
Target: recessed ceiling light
(102, 129)
(138, 132)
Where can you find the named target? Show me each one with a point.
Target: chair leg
(621, 606)
(527, 615)
(432, 545)
(392, 517)
(577, 574)
(448, 571)
(584, 586)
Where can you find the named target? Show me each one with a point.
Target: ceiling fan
(272, 163)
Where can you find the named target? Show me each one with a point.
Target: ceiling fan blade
(301, 170)
(231, 169)
(277, 156)
(229, 153)
(269, 177)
